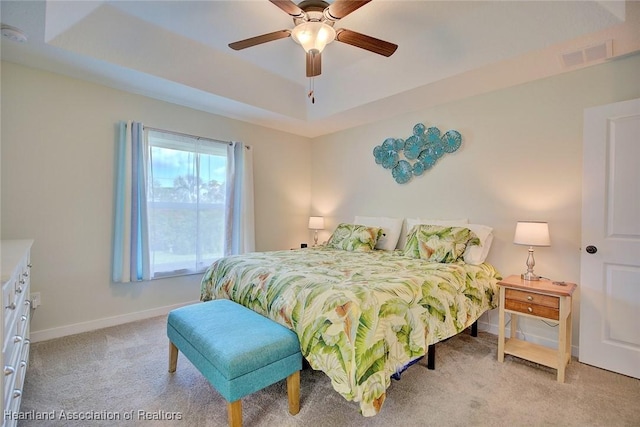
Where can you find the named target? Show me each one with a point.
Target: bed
(361, 315)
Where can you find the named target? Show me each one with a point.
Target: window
(185, 202)
(180, 203)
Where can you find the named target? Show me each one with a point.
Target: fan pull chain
(311, 90)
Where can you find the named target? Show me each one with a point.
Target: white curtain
(239, 216)
(131, 229)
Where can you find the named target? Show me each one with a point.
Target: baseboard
(493, 329)
(63, 331)
(77, 328)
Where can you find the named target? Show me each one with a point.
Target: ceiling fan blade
(314, 64)
(341, 8)
(253, 41)
(289, 7)
(365, 42)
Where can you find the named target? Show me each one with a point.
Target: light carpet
(120, 373)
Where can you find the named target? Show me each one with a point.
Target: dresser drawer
(533, 309)
(9, 302)
(11, 367)
(533, 298)
(22, 323)
(21, 371)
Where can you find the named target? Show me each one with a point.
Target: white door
(610, 261)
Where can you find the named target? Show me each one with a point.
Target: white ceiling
(177, 51)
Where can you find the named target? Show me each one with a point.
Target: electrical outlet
(35, 300)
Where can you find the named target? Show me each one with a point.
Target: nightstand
(540, 299)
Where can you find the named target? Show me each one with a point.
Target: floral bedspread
(360, 316)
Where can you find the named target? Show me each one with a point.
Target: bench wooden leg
(234, 411)
(293, 392)
(173, 357)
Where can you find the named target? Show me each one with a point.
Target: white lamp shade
(316, 223)
(313, 35)
(532, 233)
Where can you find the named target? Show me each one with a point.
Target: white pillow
(390, 226)
(477, 254)
(411, 222)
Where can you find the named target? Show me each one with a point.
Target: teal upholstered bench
(237, 350)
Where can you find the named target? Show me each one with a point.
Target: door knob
(591, 249)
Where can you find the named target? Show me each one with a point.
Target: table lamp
(531, 233)
(316, 223)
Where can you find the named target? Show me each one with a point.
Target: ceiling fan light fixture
(313, 35)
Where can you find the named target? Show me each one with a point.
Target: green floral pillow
(436, 243)
(354, 237)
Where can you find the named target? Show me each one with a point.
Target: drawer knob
(17, 393)
(19, 290)
(530, 309)
(8, 370)
(530, 298)
(17, 338)
(11, 306)
(25, 274)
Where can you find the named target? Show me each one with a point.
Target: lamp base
(531, 262)
(530, 276)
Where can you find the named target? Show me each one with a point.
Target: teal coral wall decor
(420, 151)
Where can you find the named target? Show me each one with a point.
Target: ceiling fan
(314, 21)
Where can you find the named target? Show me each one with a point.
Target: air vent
(587, 55)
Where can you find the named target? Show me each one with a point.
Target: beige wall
(521, 159)
(58, 138)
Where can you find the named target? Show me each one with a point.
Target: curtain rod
(189, 135)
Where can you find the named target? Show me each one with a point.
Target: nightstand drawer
(533, 309)
(533, 298)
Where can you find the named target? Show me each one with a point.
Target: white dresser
(16, 312)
